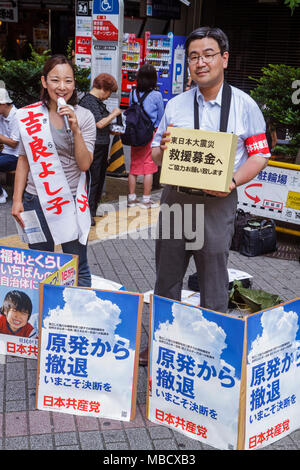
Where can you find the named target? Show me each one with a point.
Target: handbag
(259, 237)
(241, 219)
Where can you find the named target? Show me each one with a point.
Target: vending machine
(167, 54)
(132, 59)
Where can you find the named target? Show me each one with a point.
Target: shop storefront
(51, 24)
(260, 32)
(43, 25)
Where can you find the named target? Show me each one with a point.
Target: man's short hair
(207, 32)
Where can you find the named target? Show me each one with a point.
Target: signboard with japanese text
(229, 382)
(107, 42)
(273, 374)
(199, 159)
(9, 11)
(67, 275)
(21, 271)
(55, 196)
(83, 46)
(178, 69)
(104, 57)
(83, 33)
(40, 39)
(273, 193)
(195, 372)
(163, 9)
(89, 348)
(106, 20)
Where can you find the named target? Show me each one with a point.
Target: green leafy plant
(292, 4)
(278, 101)
(22, 78)
(252, 300)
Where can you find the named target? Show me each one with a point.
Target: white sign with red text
(49, 178)
(106, 20)
(273, 193)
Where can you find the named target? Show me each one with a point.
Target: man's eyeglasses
(207, 58)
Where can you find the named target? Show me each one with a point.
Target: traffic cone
(116, 162)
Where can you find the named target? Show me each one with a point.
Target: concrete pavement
(130, 262)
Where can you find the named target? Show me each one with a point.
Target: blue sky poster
(195, 373)
(88, 359)
(273, 374)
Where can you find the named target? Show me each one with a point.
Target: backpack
(139, 127)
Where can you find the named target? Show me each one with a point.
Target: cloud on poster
(83, 308)
(275, 349)
(189, 327)
(278, 327)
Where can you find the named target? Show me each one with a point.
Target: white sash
(66, 220)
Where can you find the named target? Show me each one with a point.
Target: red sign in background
(83, 45)
(104, 30)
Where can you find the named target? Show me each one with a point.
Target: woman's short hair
(106, 82)
(52, 62)
(207, 32)
(146, 78)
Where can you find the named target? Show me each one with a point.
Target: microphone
(61, 102)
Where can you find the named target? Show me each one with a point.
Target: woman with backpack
(141, 161)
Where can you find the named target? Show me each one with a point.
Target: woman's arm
(108, 119)
(82, 155)
(19, 187)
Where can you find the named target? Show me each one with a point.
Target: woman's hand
(108, 119)
(116, 112)
(16, 210)
(69, 112)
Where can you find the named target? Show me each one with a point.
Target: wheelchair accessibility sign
(106, 20)
(109, 7)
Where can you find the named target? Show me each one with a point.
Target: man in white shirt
(208, 53)
(9, 137)
(202, 107)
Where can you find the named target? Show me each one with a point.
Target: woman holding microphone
(56, 149)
